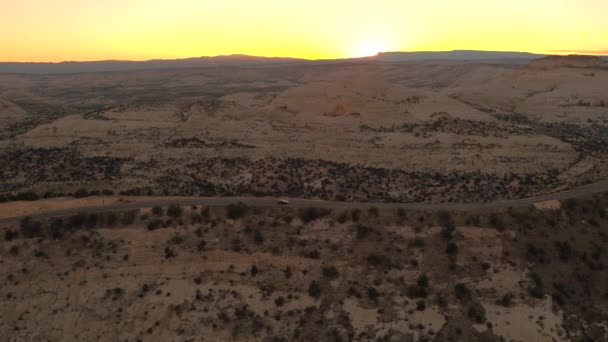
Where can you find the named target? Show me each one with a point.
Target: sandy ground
(15, 209)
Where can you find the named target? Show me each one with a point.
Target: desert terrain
(354, 131)
(429, 201)
(232, 273)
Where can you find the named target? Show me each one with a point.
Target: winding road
(581, 191)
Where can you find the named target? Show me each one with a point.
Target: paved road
(584, 190)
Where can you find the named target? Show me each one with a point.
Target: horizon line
(599, 53)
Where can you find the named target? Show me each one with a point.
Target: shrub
(420, 290)
(76, 222)
(169, 253)
(378, 260)
(423, 281)
(236, 211)
(418, 242)
(373, 211)
(26, 196)
(157, 211)
(363, 232)
(280, 301)
(155, 224)
(258, 237)
(81, 193)
(402, 214)
(373, 294)
(14, 250)
(107, 192)
(129, 217)
(537, 290)
(314, 290)
(57, 228)
(445, 218)
(311, 214)
(111, 219)
(9, 235)
(462, 292)
(91, 221)
(174, 210)
(30, 228)
(420, 305)
(330, 273)
(506, 300)
(477, 313)
(452, 248)
(564, 250)
(342, 218)
(496, 221)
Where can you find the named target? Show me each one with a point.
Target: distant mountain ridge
(457, 55)
(153, 64)
(246, 60)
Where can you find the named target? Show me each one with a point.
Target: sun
(370, 48)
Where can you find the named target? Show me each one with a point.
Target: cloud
(587, 52)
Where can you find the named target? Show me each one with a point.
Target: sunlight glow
(371, 48)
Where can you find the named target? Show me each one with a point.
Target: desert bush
(111, 219)
(14, 250)
(258, 237)
(81, 193)
(157, 211)
(26, 196)
(236, 211)
(287, 272)
(363, 231)
(330, 273)
(128, 218)
(201, 245)
(448, 231)
(421, 305)
(30, 228)
(564, 250)
(342, 218)
(314, 254)
(535, 254)
(10, 235)
(280, 301)
(57, 228)
(176, 239)
(377, 260)
(477, 313)
(155, 224)
(452, 248)
(462, 292)
(170, 253)
(402, 214)
(537, 290)
(174, 210)
(356, 215)
(76, 222)
(314, 289)
(506, 300)
(91, 221)
(373, 294)
(496, 221)
(418, 242)
(311, 214)
(373, 211)
(420, 289)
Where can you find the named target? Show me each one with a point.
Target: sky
(83, 30)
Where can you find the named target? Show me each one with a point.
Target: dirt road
(598, 187)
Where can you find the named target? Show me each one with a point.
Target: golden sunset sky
(59, 30)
